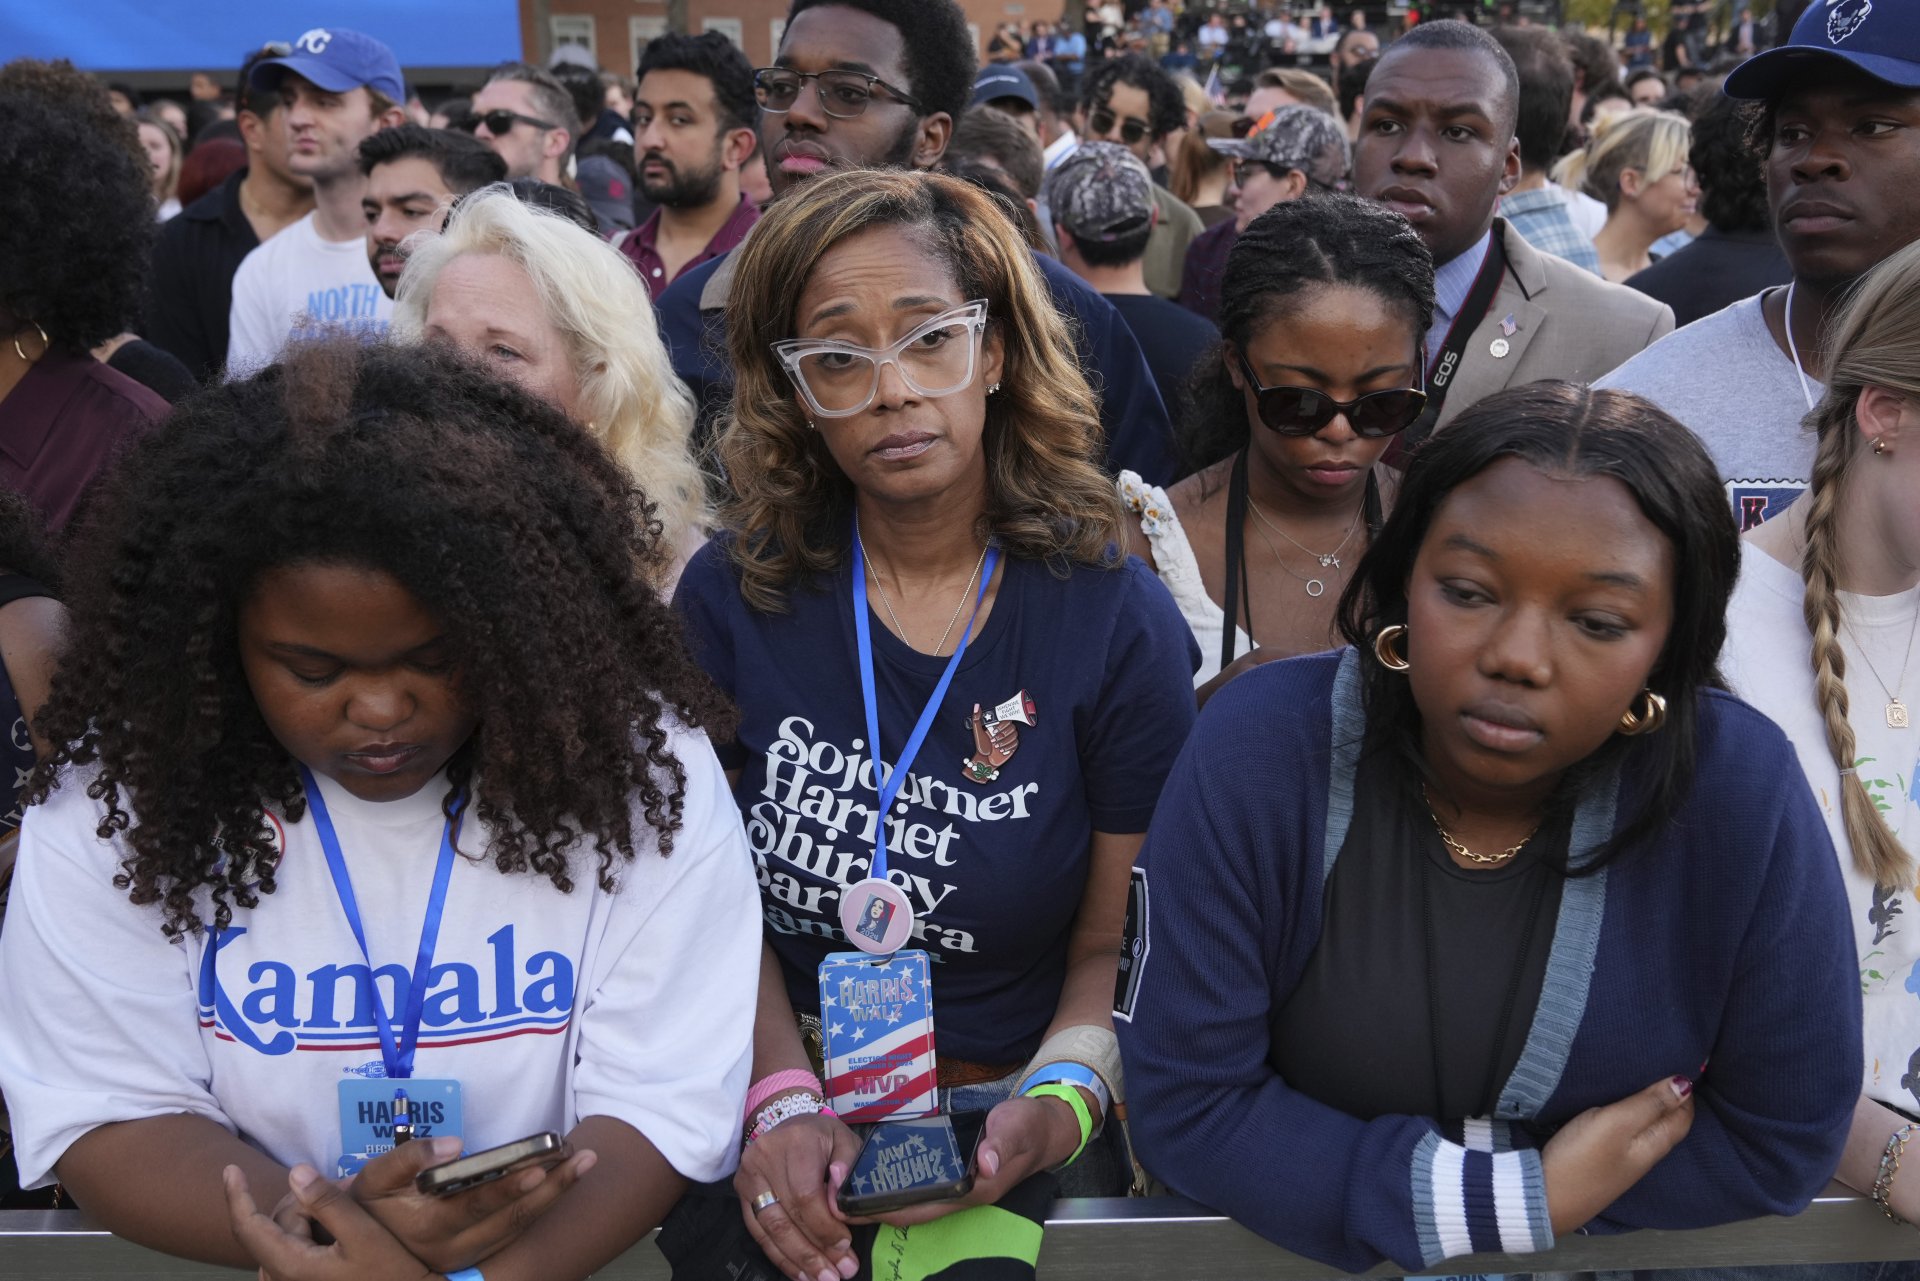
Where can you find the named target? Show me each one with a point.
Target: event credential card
(876, 1022)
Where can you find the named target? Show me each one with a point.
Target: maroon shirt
(638, 244)
(63, 424)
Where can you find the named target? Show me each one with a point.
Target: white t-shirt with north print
(546, 1007)
(297, 285)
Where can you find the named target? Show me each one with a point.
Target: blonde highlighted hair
(629, 397)
(1875, 342)
(1654, 143)
(792, 507)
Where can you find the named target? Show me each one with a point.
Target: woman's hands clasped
(382, 1228)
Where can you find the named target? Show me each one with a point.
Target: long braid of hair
(1876, 850)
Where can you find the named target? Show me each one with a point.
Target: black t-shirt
(1356, 1033)
(1173, 338)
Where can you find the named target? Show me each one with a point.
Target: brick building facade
(616, 30)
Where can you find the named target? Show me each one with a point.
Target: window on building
(574, 29)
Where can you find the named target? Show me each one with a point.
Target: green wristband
(1070, 1095)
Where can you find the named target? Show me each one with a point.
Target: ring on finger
(764, 1200)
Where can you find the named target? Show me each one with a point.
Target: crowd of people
(1336, 646)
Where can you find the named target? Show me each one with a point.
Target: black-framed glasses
(499, 122)
(1302, 411)
(843, 94)
(1100, 122)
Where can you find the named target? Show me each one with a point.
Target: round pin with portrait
(876, 916)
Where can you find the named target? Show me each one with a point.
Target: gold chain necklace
(1454, 843)
(888, 602)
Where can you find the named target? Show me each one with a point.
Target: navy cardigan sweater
(1722, 940)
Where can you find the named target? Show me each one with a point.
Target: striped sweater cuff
(1468, 1201)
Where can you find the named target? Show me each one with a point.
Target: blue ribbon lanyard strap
(396, 1053)
(863, 630)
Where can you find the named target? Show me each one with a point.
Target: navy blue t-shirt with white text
(994, 871)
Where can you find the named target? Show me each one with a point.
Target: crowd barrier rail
(1100, 1240)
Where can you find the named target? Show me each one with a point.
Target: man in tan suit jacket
(1437, 145)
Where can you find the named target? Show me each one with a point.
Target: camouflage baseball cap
(1101, 191)
(1293, 137)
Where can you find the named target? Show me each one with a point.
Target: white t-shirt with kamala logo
(546, 1007)
(296, 286)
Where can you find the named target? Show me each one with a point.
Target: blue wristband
(1070, 1074)
(466, 1274)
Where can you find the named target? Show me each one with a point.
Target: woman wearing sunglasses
(1322, 309)
(1433, 937)
(921, 566)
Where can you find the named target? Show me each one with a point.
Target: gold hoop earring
(1635, 721)
(45, 343)
(1384, 651)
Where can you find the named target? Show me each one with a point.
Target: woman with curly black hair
(369, 605)
(76, 228)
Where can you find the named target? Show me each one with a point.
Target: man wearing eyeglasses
(526, 116)
(338, 88)
(874, 84)
(1133, 102)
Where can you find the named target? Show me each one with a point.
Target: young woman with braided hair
(1821, 637)
(1322, 310)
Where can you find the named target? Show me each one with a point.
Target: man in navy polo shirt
(339, 88)
(921, 49)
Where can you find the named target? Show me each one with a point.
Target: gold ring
(764, 1200)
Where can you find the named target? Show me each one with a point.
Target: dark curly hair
(1165, 104)
(1291, 248)
(940, 57)
(510, 526)
(1732, 172)
(76, 213)
(1567, 430)
(719, 61)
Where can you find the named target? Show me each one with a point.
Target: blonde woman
(921, 550)
(1821, 638)
(1636, 165)
(559, 311)
(161, 143)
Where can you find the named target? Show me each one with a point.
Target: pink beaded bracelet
(780, 1082)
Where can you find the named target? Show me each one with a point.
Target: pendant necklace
(1328, 560)
(1897, 714)
(888, 602)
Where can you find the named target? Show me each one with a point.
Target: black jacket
(1717, 269)
(190, 289)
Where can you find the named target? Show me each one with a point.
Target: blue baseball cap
(336, 60)
(1880, 37)
(997, 82)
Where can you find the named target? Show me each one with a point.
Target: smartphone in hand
(905, 1163)
(544, 1150)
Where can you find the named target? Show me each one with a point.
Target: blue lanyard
(398, 1056)
(863, 630)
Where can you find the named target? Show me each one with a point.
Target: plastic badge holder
(876, 1024)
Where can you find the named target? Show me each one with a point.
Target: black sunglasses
(1302, 411)
(1101, 121)
(499, 122)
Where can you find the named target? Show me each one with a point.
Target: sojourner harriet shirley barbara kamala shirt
(1720, 941)
(994, 870)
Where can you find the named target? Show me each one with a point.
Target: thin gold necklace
(1454, 843)
(888, 601)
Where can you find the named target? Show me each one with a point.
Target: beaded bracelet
(1889, 1167)
(779, 1083)
(786, 1108)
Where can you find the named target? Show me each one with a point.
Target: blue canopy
(216, 35)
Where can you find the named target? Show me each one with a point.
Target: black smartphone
(544, 1150)
(905, 1163)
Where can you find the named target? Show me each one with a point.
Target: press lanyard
(397, 1055)
(863, 630)
(1444, 369)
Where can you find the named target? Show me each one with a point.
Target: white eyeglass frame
(794, 350)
